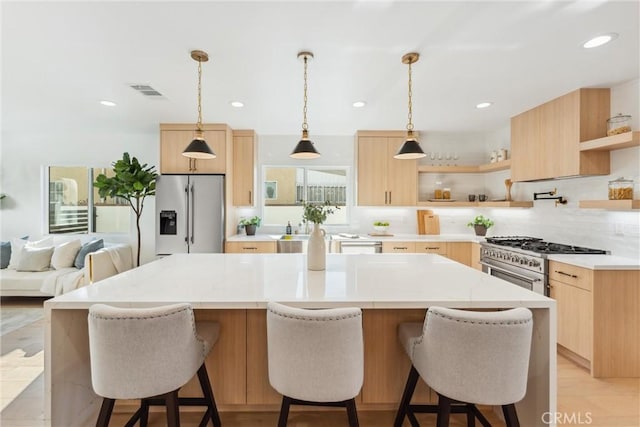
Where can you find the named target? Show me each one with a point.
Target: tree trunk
(138, 227)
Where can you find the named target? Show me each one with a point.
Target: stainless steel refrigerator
(189, 214)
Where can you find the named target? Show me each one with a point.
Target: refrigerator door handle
(186, 223)
(193, 216)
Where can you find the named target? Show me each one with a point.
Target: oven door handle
(511, 273)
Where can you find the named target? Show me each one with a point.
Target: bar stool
(316, 357)
(149, 354)
(468, 358)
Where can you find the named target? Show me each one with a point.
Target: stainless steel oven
(535, 282)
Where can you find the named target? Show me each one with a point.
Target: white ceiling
(60, 59)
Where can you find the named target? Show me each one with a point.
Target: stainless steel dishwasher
(360, 247)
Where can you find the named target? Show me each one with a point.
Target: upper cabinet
(174, 138)
(546, 141)
(244, 151)
(383, 180)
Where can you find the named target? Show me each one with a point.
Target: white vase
(316, 250)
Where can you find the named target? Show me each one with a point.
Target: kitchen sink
(295, 243)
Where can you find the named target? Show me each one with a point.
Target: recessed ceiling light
(484, 105)
(359, 104)
(108, 103)
(237, 104)
(600, 40)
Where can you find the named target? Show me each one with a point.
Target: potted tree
(480, 225)
(132, 182)
(250, 224)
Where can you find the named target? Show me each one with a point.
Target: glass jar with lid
(437, 193)
(618, 124)
(446, 193)
(621, 189)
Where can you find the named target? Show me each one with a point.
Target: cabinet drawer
(250, 247)
(398, 247)
(571, 275)
(432, 248)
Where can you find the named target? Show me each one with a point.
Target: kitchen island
(234, 289)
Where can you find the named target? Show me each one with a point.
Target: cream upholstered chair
(468, 358)
(316, 357)
(148, 354)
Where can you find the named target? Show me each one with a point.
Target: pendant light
(305, 148)
(198, 148)
(411, 149)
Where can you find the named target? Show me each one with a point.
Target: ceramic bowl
(380, 228)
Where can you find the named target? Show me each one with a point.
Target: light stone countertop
(598, 262)
(395, 238)
(210, 281)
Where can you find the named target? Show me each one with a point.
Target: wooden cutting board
(428, 223)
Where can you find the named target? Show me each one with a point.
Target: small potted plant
(381, 226)
(481, 225)
(250, 224)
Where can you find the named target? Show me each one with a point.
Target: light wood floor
(582, 400)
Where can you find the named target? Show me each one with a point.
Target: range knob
(523, 261)
(515, 259)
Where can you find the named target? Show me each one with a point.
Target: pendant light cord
(199, 124)
(304, 109)
(410, 115)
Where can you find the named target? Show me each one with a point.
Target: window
(285, 187)
(74, 205)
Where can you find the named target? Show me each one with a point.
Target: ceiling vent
(146, 90)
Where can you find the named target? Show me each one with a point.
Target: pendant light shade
(305, 149)
(411, 149)
(198, 148)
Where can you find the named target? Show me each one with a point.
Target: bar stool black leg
(284, 411)
(144, 416)
(471, 416)
(510, 415)
(352, 413)
(173, 411)
(409, 388)
(444, 410)
(207, 391)
(105, 412)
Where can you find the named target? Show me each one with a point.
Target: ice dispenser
(168, 222)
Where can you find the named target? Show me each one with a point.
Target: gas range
(523, 260)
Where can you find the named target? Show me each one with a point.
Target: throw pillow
(5, 254)
(87, 248)
(35, 259)
(18, 244)
(64, 255)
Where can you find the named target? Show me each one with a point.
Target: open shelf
(613, 142)
(488, 167)
(489, 204)
(617, 205)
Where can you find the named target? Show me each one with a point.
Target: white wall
(24, 157)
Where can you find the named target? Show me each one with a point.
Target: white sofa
(98, 265)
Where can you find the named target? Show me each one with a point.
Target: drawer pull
(573, 276)
(403, 248)
(432, 248)
(251, 248)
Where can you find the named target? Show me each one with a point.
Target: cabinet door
(475, 256)
(525, 134)
(575, 318)
(439, 248)
(251, 247)
(460, 252)
(243, 170)
(402, 176)
(372, 171)
(398, 247)
(174, 142)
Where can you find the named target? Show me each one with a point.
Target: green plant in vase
(481, 225)
(250, 224)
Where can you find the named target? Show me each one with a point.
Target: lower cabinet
(457, 251)
(398, 247)
(250, 247)
(598, 318)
